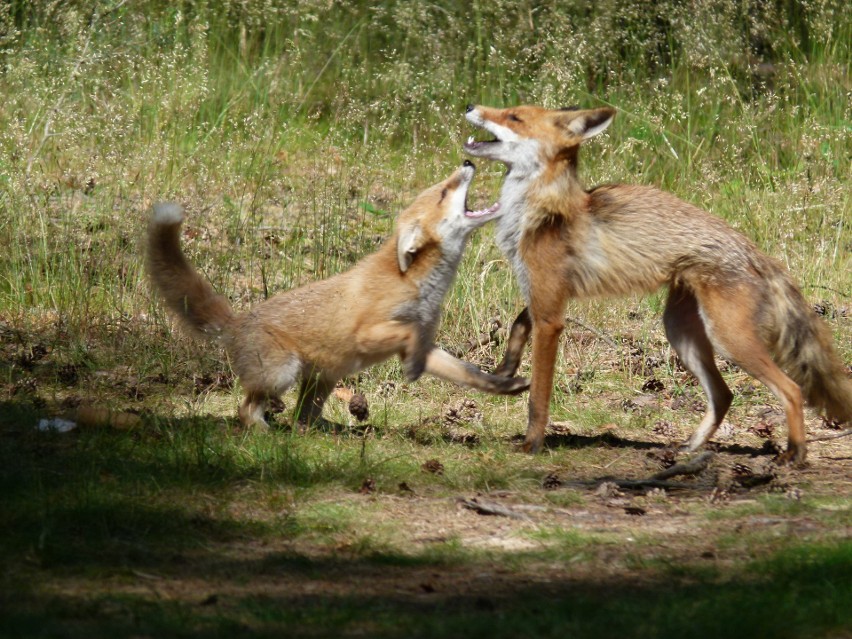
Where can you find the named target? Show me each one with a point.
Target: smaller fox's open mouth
(491, 210)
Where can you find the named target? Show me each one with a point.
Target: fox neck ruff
(531, 199)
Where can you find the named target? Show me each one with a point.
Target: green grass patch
(799, 592)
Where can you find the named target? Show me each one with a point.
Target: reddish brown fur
(335, 327)
(621, 239)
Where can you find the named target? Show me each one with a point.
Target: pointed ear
(410, 241)
(588, 124)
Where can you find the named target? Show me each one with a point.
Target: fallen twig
(630, 483)
(844, 433)
(494, 336)
(659, 480)
(485, 507)
(598, 333)
(691, 467)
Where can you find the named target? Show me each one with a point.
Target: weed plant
(294, 131)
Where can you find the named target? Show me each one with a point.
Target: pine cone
(358, 407)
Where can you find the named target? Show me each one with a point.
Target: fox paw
(793, 456)
(413, 369)
(514, 385)
(531, 446)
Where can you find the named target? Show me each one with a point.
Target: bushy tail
(186, 293)
(805, 350)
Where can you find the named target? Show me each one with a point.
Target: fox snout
(460, 179)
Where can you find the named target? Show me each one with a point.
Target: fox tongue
(483, 212)
(472, 143)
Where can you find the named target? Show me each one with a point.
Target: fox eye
(514, 118)
(443, 195)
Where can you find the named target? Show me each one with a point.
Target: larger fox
(564, 241)
(388, 304)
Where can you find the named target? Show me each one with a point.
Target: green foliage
(283, 119)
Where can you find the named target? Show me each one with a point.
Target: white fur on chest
(510, 228)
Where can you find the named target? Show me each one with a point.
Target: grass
(182, 528)
(110, 519)
(293, 133)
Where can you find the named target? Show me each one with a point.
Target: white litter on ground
(56, 424)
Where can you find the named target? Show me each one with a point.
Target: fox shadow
(611, 440)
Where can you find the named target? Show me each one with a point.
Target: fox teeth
(470, 140)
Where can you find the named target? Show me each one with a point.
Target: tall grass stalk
(293, 132)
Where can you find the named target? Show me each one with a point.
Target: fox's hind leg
(263, 379)
(731, 316)
(252, 409)
(688, 337)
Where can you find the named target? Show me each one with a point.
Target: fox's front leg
(415, 357)
(545, 335)
(423, 355)
(519, 335)
(417, 350)
(396, 337)
(315, 389)
(441, 364)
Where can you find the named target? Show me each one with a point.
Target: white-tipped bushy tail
(186, 293)
(167, 213)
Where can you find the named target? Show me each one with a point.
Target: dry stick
(844, 433)
(631, 483)
(614, 461)
(483, 339)
(598, 333)
(691, 467)
(47, 133)
(494, 336)
(828, 288)
(48, 122)
(485, 507)
(653, 483)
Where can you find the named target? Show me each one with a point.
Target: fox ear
(410, 241)
(589, 123)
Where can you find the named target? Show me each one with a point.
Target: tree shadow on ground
(109, 534)
(295, 595)
(98, 497)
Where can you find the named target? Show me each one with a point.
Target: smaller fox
(387, 304)
(564, 241)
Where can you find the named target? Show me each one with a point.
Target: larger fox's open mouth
(491, 210)
(473, 144)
